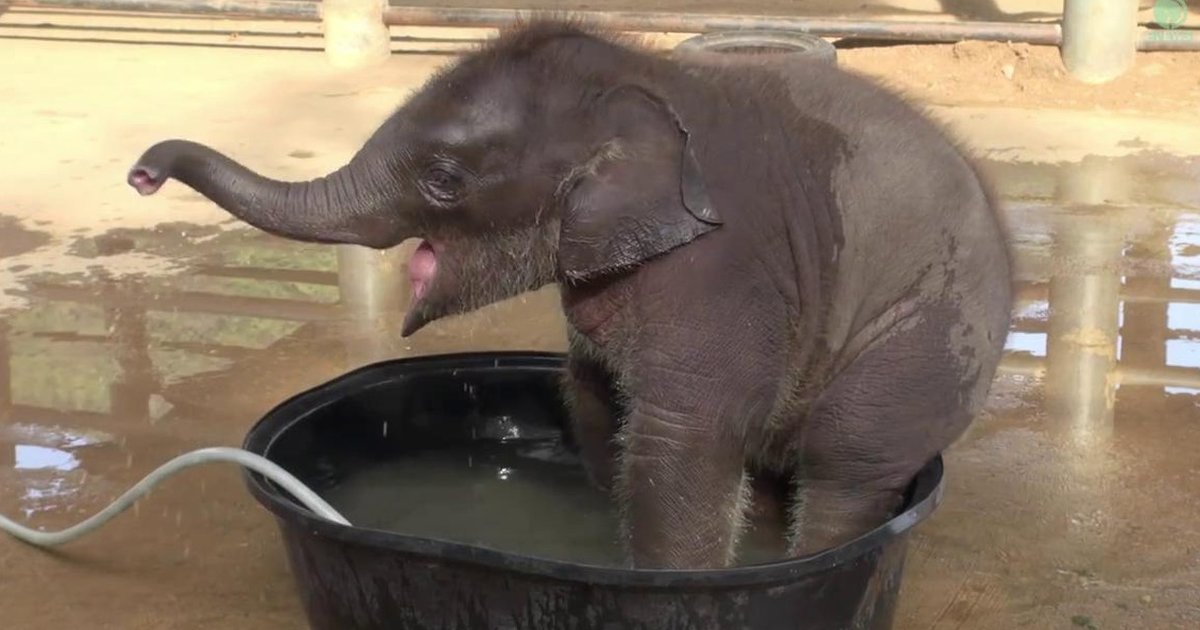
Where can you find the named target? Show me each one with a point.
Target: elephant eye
(443, 183)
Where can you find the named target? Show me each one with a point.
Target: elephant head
(550, 155)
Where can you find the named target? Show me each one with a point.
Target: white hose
(245, 458)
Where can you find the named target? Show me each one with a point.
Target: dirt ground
(135, 329)
(1025, 76)
(968, 73)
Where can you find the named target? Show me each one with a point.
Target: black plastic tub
(353, 577)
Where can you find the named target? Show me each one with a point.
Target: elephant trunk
(355, 204)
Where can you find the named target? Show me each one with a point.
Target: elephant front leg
(683, 489)
(592, 400)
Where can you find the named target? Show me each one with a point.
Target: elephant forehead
(480, 119)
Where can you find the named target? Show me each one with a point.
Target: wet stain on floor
(1071, 503)
(16, 239)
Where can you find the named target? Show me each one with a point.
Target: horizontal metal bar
(67, 417)
(1161, 375)
(269, 9)
(193, 302)
(1027, 292)
(702, 23)
(1167, 376)
(302, 276)
(1022, 363)
(210, 349)
(889, 30)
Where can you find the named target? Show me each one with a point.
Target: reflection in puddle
(52, 436)
(28, 457)
(1183, 353)
(1182, 283)
(47, 464)
(1032, 343)
(47, 495)
(48, 481)
(1183, 316)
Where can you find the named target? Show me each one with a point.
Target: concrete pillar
(1085, 301)
(1099, 38)
(1144, 331)
(129, 392)
(355, 35)
(6, 399)
(1081, 343)
(373, 285)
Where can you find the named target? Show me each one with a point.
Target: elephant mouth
(422, 268)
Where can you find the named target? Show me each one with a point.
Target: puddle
(1148, 178)
(48, 463)
(15, 239)
(1074, 495)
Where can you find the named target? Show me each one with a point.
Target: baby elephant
(777, 271)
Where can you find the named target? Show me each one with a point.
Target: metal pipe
(1153, 376)
(1132, 293)
(1022, 364)
(890, 30)
(190, 301)
(6, 399)
(1166, 376)
(304, 276)
(703, 23)
(265, 9)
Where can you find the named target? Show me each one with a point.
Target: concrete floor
(136, 329)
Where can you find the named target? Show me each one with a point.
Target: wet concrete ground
(137, 330)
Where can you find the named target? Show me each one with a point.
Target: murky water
(515, 497)
(526, 497)
(1071, 503)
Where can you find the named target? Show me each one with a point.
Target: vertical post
(129, 393)
(1081, 341)
(1099, 38)
(1085, 300)
(6, 399)
(374, 292)
(371, 283)
(355, 35)
(1144, 331)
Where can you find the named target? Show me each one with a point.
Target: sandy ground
(1060, 513)
(289, 114)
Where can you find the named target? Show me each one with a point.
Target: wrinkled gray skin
(795, 279)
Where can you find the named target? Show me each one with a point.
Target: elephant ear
(641, 195)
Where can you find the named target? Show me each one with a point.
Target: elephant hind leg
(767, 517)
(900, 403)
(827, 514)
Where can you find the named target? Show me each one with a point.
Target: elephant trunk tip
(145, 179)
(158, 164)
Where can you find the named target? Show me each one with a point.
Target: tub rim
(926, 492)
